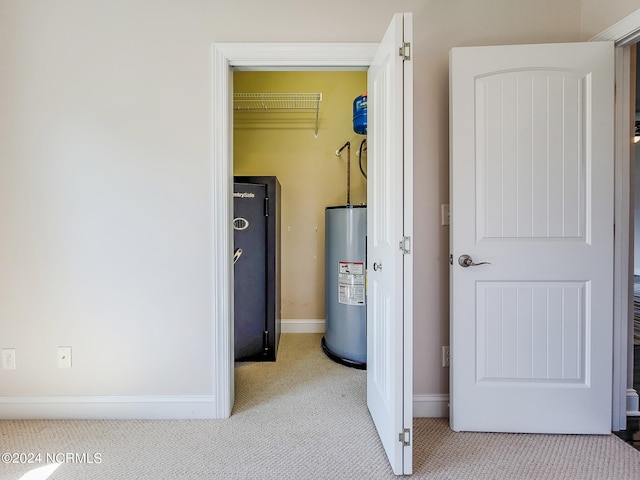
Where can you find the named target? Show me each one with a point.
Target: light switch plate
(64, 357)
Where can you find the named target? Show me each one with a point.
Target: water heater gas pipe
(338, 152)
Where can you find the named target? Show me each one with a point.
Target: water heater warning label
(351, 283)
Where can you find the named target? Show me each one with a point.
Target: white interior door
(532, 193)
(389, 220)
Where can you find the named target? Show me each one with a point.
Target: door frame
(248, 56)
(624, 33)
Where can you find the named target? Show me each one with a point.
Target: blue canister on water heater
(360, 114)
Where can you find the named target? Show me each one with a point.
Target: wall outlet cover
(8, 358)
(446, 359)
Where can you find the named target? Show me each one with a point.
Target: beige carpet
(304, 417)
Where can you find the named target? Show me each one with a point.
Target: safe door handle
(377, 266)
(466, 261)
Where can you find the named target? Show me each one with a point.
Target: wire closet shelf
(279, 102)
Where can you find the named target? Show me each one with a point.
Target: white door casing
(225, 57)
(625, 34)
(389, 324)
(532, 193)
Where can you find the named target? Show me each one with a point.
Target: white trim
(296, 56)
(408, 259)
(222, 239)
(305, 325)
(625, 32)
(107, 407)
(622, 242)
(430, 406)
(159, 407)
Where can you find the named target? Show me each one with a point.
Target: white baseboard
(152, 408)
(431, 406)
(305, 325)
(107, 407)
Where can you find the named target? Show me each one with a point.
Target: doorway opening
(299, 147)
(226, 58)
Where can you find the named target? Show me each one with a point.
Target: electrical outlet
(8, 358)
(445, 356)
(64, 357)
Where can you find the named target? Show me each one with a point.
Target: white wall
(105, 221)
(462, 24)
(105, 198)
(598, 15)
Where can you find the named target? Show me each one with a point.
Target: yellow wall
(312, 177)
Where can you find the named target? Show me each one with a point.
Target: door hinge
(405, 437)
(266, 206)
(405, 245)
(405, 51)
(265, 341)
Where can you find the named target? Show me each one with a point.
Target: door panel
(531, 332)
(388, 370)
(532, 195)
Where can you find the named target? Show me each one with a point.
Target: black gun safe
(256, 239)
